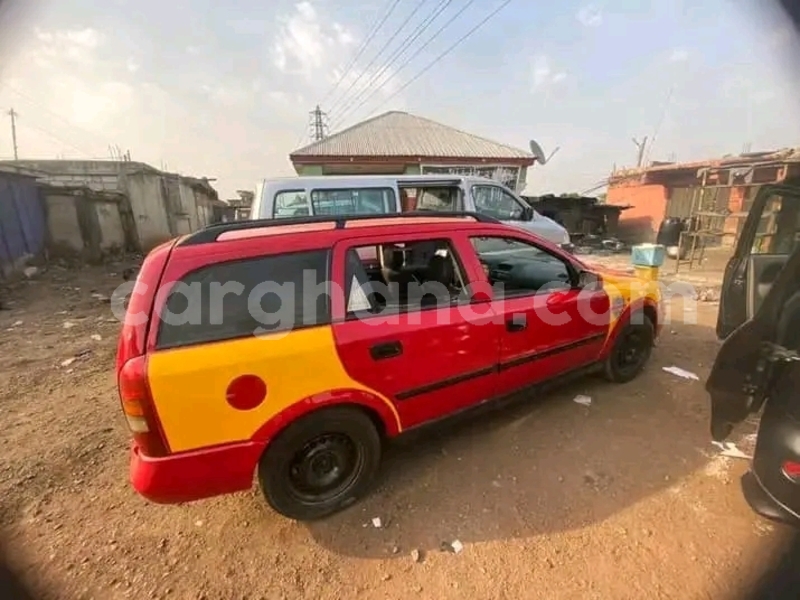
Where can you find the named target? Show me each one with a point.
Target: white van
(377, 194)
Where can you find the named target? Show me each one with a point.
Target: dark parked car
(758, 366)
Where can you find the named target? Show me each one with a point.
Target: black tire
(631, 351)
(345, 440)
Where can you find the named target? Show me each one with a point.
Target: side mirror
(589, 280)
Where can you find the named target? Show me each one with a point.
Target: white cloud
(77, 93)
(679, 55)
(590, 16)
(76, 45)
(306, 44)
(543, 74)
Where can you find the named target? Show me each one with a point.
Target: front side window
(495, 202)
(515, 267)
(247, 297)
(292, 203)
(356, 201)
(403, 276)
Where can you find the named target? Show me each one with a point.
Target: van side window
(404, 276)
(442, 199)
(356, 201)
(247, 297)
(291, 203)
(517, 268)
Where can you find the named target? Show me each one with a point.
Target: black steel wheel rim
(631, 351)
(325, 467)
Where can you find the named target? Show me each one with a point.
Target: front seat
(439, 278)
(397, 278)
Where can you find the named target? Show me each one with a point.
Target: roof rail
(212, 232)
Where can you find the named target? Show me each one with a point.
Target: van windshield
(354, 201)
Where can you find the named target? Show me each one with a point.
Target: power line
(446, 52)
(13, 114)
(379, 53)
(398, 52)
(58, 117)
(56, 138)
(432, 63)
(376, 27)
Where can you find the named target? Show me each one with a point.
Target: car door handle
(517, 323)
(386, 350)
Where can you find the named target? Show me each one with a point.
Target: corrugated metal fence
(22, 220)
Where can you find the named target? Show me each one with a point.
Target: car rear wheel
(320, 464)
(631, 350)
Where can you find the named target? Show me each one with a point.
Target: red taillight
(791, 469)
(137, 405)
(134, 391)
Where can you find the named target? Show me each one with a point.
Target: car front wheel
(320, 464)
(631, 350)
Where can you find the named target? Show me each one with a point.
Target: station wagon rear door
(769, 235)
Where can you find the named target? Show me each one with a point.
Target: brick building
(725, 186)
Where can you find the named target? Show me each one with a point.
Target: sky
(224, 90)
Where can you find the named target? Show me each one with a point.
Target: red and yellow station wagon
(291, 350)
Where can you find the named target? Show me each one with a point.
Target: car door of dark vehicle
(769, 235)
(744, 368)
(757, 366)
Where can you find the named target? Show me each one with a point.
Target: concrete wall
(63, 224)
(83, 222)
(149, 212)
(161, 205)
(112, 232)
(648, 205)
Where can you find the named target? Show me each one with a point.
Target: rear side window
(356, 201)
(248, 297)
(291, 203)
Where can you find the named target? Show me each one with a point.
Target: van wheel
(631, 350)
(320, 464)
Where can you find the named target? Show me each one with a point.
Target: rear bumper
(196, 474)
(764, 504)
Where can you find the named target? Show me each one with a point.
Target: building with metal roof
(395, 143)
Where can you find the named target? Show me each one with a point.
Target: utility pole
(642, 146)
(14, 114)
(318, 124)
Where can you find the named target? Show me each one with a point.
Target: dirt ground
(623, 499)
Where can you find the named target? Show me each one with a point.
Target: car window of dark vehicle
(518, 268)
(201, 313)
(779, 226)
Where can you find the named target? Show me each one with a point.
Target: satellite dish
(538, 153)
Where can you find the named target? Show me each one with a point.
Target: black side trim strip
(522, 360)
(515, 362)
(443, 383)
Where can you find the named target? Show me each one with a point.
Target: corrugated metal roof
(398, 133)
